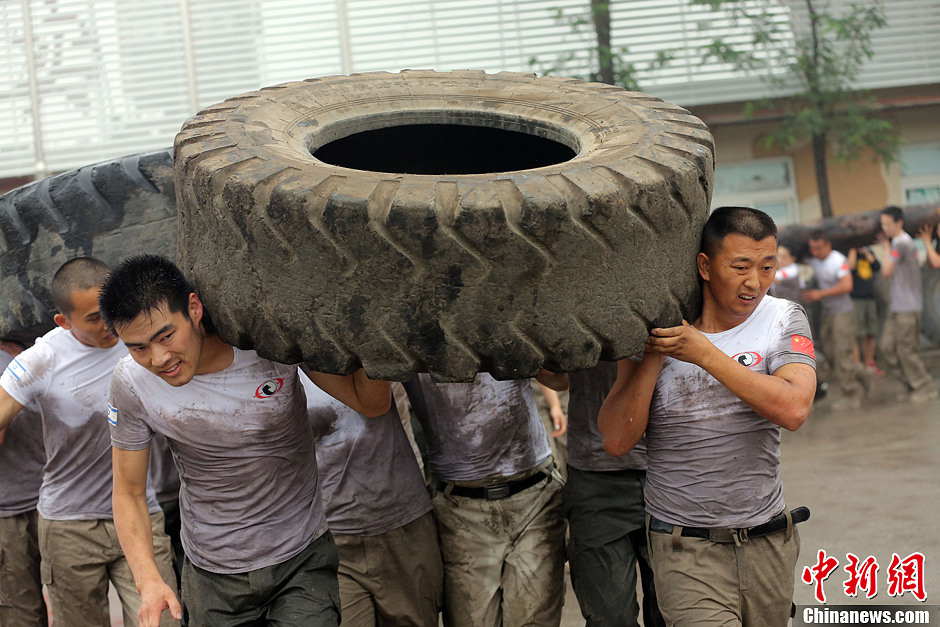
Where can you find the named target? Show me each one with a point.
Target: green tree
(813, 68)
(607, 64)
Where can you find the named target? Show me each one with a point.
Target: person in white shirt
(900, 337)
(711, 398)
(834, 277)
(787, 281)
(254, 528)
(65, 378)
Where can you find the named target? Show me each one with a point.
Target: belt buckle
(496, 492)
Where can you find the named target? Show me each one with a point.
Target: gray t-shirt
(245, 454)
(370, 482)
(21, 460)
(829, 272)
(713, 462)
(66, 383)
(586, 451)
(907, 292)
(481, 430)
(164, 477)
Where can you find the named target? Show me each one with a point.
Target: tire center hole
(443, 149)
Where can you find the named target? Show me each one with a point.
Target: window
(765, 184)
(920, 173)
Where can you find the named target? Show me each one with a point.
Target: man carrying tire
(379, 512)
(603, 503)
(711, 398)
(900, 338)
(21, 460)
(65, 377)
(254, 530)
(497, 502)
(834, 277)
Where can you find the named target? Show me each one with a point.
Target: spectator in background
(930, 235)
(787, 282)
(21, 460)
(838, 319)
(864, 267)
(901, 335)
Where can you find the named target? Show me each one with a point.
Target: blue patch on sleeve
(112, 415)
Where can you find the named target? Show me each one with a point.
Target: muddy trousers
(392, 579)
(607, 544)
(299, 592)
(900, 349)
(503, 559)
(21, 602)
(838, 339)
(702, 583)
(79, 557)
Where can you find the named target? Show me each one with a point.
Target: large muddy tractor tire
(107, 210)
(448, 222)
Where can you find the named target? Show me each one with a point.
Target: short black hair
(896, 213)
(746, 221)
(818, 235)
(144, 283)
(80, 273)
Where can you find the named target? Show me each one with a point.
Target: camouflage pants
(503, 559)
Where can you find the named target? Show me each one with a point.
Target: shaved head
(81, 273)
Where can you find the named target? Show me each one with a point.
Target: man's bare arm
(132, 520)
(9, 408)
(623, 417)
(784, 398)
(553, 380)
(357, 391)
(557, 414)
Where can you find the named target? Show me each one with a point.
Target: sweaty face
(820, 248)
(740, 273)
(85, 321)
(891, 228)
(166, 343)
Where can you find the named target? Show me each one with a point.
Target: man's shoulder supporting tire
(107, 210)
(554, 266)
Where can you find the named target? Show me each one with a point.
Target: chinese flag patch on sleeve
(802, 344)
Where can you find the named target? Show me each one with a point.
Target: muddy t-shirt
(163, 474)
(713, 462)
(906, 289)
(370, 482)
(245, 454)
(829, 272)
(586, 451)
(480, 430)
(21, 460)
(787, 283)
(66, 383)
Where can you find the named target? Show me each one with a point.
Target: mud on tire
(554, 264)
(108, 210)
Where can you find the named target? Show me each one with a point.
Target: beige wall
(855, 186)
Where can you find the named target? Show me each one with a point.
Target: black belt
(498, 491)
(725, 535)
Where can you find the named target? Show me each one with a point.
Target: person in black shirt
(864, 267)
